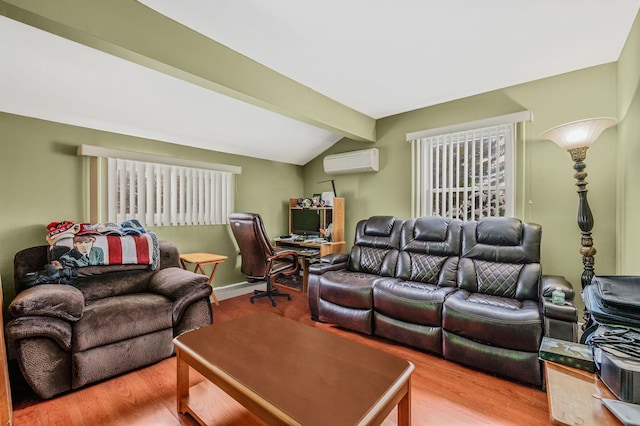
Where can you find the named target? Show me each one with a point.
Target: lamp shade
(578, 134)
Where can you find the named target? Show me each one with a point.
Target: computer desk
(308, 251)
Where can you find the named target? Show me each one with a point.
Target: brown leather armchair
(260, 262)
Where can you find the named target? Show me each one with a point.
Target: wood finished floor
(443, 393)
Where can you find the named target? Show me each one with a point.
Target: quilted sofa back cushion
(375, 249)
(500, 256)
(430, 248)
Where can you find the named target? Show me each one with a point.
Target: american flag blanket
(108, 250)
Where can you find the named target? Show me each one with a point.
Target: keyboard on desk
(310, 251)
(316, 241)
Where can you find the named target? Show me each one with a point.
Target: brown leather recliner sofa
(470, 292)
(111, 320)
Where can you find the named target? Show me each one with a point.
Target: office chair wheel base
(271, 293)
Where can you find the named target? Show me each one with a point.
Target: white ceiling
(378, 57)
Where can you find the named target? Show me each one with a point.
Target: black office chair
(259, 260)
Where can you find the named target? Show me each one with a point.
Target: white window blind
(466, 173)
(161, 194)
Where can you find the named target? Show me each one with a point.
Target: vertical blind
(161, 194)
(466, 175)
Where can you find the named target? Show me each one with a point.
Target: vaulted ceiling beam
(132, 31)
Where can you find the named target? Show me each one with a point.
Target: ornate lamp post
(576, 137)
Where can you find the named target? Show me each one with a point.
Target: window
(161, 194)
(156, 190)
(467, 173)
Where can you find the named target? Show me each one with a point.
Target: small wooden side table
(574, 397)
(200, 259)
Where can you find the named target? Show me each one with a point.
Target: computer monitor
(305, 222)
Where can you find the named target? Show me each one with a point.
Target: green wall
(629, 153)
(42, 180)
(546, 185)
(41, 176)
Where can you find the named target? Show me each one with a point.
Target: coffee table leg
(404, 407)
(182, 381)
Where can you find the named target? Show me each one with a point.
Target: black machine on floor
(612, 304)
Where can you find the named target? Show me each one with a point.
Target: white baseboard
(238, 289)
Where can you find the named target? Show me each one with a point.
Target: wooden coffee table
(289, 373)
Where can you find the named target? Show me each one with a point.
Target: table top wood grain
(314, 377)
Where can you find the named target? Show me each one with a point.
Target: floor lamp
(576, 137)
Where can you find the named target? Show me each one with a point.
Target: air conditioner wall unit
(366, 160)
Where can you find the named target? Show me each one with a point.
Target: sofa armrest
(551, 282)
(37, 326)
(564, 312)
(49, 300)
(181, 287)
(334, 258)
(329, 262)
(561, 321)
